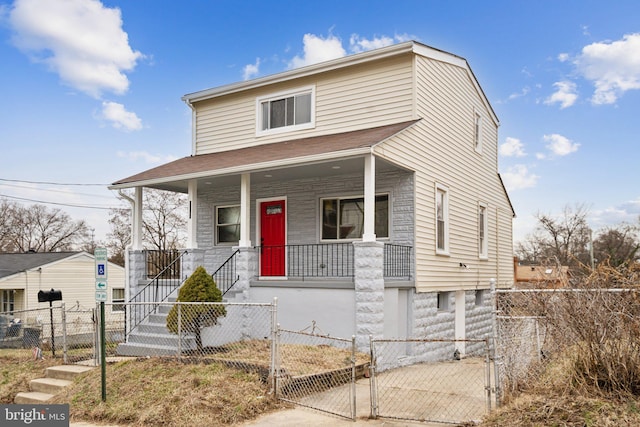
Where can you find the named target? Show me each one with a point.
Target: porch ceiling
(316, 156)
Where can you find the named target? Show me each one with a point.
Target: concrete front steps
(152, 338)
(55, 381)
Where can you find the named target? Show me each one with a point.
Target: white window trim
(361, 196)
(445, 190)
(445, 298)
(119, 301)
(483, 250)
(216, 224)
(8, 297)
(284, 94)
(477, 130)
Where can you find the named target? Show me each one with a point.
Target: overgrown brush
(589, 327)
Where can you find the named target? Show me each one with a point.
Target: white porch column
(245, 214)
(192, 224)
(369, 232)
(136, 220)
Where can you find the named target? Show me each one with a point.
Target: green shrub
(199, 287)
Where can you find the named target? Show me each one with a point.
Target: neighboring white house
(363, 192)
(23, 275)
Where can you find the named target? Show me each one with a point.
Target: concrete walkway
(450, 375)
(301, 416)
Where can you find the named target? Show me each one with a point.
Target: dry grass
(171, 392)
(17, 368)
(534, 410)
(163, 392)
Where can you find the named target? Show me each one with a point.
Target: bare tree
(119, 235)
(618, 245)
(40, 229)
(164, 219)
(6, 215)
(164, 224)
(564, 239)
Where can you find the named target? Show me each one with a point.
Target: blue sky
(90, 90)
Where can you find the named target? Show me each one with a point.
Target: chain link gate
(318, 372)
(428, 381)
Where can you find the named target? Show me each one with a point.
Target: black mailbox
(48, 296)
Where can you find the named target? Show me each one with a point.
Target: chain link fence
(596, 330)
(410, 379)
(58, 332)
(409, 382)
(318, 371)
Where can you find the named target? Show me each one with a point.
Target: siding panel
(441, 149)
(365, 96)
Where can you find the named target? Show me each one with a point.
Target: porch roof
(261, 157)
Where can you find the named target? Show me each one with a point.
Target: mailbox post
(50, 296)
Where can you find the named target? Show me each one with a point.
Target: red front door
(272, 239)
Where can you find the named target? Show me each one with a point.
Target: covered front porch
(322, 212)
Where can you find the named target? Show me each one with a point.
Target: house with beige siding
(24, 275)
(362, 192)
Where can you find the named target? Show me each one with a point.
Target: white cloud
(518, 177)
(512, 147)
(565, 94)
(563, 57)
(359, 44)
(251, 70)
(523, 92)
(626, 212)
(145, 156)
(613, 67)
(119, 117)
(560, 145)
(80, 40)
(318, 49)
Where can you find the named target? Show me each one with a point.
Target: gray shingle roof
(11, 264)
(270, 152)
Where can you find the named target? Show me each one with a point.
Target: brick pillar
(247, 269)
(369, 289)
(193, 259)
(137, 272)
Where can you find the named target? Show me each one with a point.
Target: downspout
(128, 247)
(193, 127)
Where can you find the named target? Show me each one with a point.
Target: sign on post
(100, 255)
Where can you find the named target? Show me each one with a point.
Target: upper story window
(442, 220)
(286, 111)
(483, 231)
(343, 218)
(477, 131)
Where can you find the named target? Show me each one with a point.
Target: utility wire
(51, 183)
(56, 191)
(60, 204)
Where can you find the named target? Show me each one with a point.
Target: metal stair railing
(156, 291)
(227, 274)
